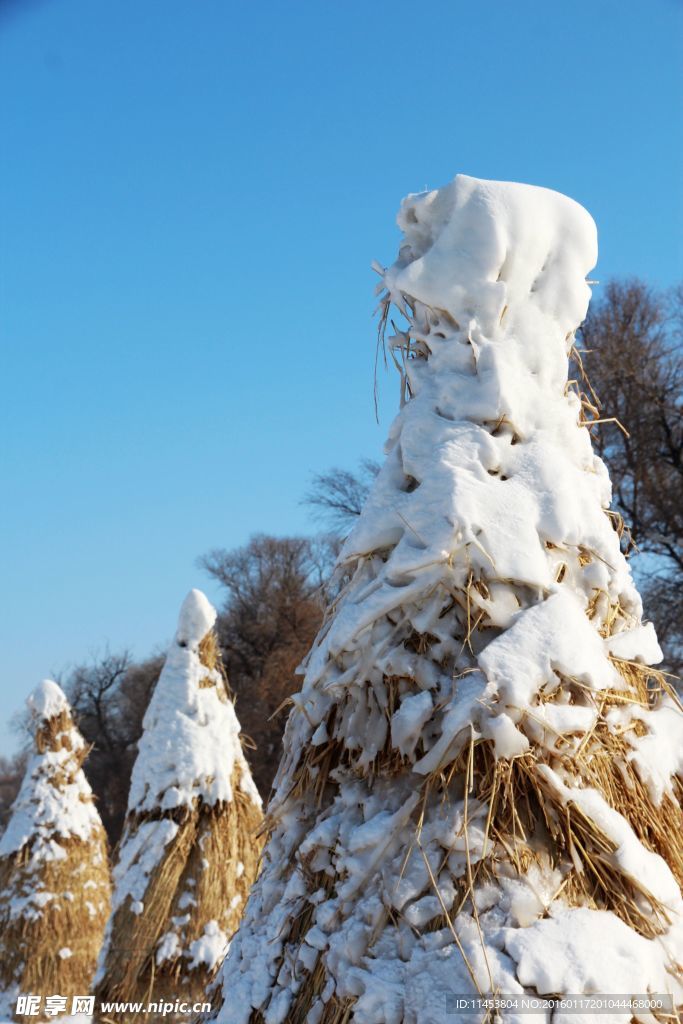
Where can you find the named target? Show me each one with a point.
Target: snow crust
(483, 595)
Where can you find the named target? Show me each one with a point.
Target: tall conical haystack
(54, 872)
(479, 790)
(189, 850)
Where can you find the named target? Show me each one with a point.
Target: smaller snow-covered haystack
(54, 873)
(189, 851)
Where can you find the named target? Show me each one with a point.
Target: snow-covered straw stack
(480, 790)
(54, 873)
(189, 850)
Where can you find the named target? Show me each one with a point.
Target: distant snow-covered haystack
(189, 851)
(480, 790)
(54, 874)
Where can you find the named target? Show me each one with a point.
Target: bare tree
(109, 696)
(92, 689)
(632, 342)
(11, 773)
(272, 612)
(338, 496)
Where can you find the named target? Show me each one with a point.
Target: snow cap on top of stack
(47, 700)
(197, 616)
(457, 238)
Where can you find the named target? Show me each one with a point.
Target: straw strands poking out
(189, 850)
(54, 872)
(485, 840)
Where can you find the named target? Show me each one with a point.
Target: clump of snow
(658, 754)
(197, 617)
(407, 723)
(586, 951)
(210, 948)
(552, 636)
(483, 596)
(638, 644)
(169, 947)
(47, 700)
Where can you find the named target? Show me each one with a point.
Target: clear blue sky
(190, 197)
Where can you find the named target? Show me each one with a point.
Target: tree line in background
(631, 348)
